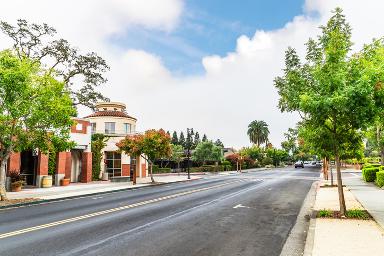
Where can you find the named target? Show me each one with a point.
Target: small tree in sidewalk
(333, 90)
(151, 145)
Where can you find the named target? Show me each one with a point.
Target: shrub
(324, 213)
(161, 170)
(357, 214)
(369, 173)
(267, 161)
(380, 178)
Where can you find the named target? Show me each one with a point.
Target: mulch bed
(11, 202)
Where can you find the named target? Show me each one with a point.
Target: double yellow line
(117, 209)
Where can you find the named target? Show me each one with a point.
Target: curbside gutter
(301, 236)
(42, 201)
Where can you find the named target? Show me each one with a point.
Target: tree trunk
(382, 156)
(151, 173)
(343, 209)
(325, 171)
(3, 194)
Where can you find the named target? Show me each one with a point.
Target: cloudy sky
(206, 64)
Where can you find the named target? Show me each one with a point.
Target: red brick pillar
(86, 168)
(42, 168)
(125, 169)
(61, 159)
(14, 162)
(68, 165)
(143, 170)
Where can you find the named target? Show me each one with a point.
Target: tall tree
(35, 109)
(219, 143)
(189, 140)
(205, 139)
(64, 62)
(334, 91)
(258, 132)
(175, 139)
(196, 140)
(182, 139)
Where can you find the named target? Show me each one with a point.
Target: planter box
(65, 182)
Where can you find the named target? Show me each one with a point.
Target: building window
(93, 127)
(127, 128)
(109, 128)
(113, 163)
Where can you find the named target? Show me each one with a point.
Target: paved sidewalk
(369, 195)
(339, 237)
(80, 189)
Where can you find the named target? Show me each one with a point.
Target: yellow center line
(90, 215)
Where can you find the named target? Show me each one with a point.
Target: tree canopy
(63, 61)
(35, 109)
(337, 93)
(258, 132)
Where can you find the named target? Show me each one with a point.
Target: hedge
(369, 173)
(380, 179)
(157, 169)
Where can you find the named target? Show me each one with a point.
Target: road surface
(247, 214)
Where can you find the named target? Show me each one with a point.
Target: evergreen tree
(205, 139)
(168, 133)
(175, 140)
(196, 140)
(189, 140)
(182, 139)
(219, 143)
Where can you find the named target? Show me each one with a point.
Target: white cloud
(236, 88)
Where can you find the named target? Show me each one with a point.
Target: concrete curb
(42, 201)
(300, 237)
(309, 243)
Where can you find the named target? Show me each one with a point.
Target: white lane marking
(87, 216)
(162, 220)
(242, 206)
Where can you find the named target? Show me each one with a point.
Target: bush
(380, 179)
(161, 170)
(357, 214)
(324, 213)
(267, 161)
(369, 173)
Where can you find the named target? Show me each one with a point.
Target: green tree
(99, 141)
(175, 139)
(207, 151)
(254, 152)
(196, 140)
(177, 154)
(333, 90)
(153, 144)
(35, 109)
(182, 140)
(219, 143)
(205, 139)
(258, 132)
(36, 42)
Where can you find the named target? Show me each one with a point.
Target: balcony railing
(116, 133)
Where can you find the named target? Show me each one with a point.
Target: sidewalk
(369, 195)
(339, 237)
(83, 189)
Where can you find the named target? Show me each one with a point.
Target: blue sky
(209, 27)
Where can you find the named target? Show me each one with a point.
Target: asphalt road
(247, 214)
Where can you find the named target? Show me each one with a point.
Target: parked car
(299, 164)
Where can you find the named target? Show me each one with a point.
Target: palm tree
(258, 132)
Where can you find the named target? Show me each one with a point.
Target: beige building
(112, 120)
